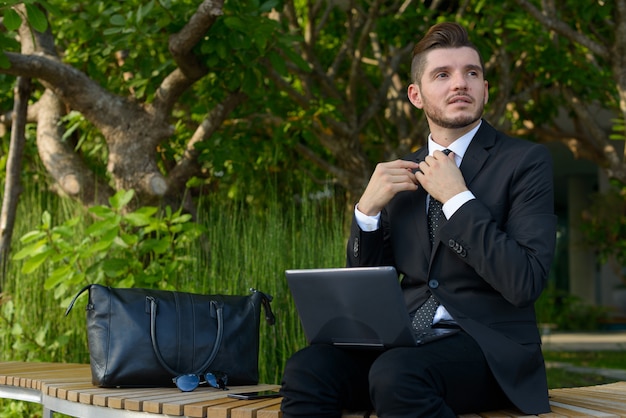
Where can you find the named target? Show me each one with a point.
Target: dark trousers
(440, 379)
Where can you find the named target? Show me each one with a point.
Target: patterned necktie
(426, 312)
(435, 213)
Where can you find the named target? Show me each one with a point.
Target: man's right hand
(388, 179)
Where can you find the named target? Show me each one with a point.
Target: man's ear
(415, 95)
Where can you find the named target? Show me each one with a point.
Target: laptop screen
(354, 307)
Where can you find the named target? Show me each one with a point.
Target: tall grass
(31, 320)
(244, 247)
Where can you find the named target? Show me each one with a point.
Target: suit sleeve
(367, 249)
(511, 241)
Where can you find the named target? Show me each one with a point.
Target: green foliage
(141, 248)
(593, 359)
(563, 378)
(568, 312)
(560, 377)
(241, 247)
(12, 20)
(603, 226)
(15, 409)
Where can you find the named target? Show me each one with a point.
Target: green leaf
(268, 6)
(12, 19)
(46, 220)
(102, 227)
(278, 63)
(17, 330)
(112, 31)
(184, 218)
(64, 230)
(115, 267)
(59, 275)
(40, 337)
(121, 199)
(100, 246)
(137, 219)
(236, 23)
(158, 246)
(102, 211)
(144, 10)
(35, 262)
(36, 18)
(126, 240)
(249, 82)
(117, 20)
(32, 250)
(32, 236)
(50, 8)
(127, 282)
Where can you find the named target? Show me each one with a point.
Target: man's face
(453, 90)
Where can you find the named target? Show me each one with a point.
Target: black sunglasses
(189, 382)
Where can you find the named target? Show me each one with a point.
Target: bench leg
(47, 413)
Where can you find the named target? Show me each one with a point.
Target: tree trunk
(13, 186)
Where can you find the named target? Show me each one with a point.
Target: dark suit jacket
(490, 260)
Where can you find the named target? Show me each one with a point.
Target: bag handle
(80, 292)
(218, 339)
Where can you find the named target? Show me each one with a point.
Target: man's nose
(459, 81)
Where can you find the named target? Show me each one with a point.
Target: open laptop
(355, 307)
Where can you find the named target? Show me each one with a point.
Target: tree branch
(562, 28)
(69, 171)
(78, 91)
(182, 43)
(190, 68)
(188, 165)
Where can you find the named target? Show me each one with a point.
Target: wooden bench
(67, 388)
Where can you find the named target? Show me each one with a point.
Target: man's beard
(458, 122)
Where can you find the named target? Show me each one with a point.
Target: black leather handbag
(153, 338)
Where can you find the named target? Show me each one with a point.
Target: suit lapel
(477, 153)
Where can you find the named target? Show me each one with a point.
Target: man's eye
(441, 75)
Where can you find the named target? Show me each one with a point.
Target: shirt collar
(458, 147)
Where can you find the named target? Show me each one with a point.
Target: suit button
(355, 247)
(463, 253)
(451, 243)
(433, 284)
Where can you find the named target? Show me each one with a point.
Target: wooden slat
(250, 410)
(72, 382)
(135, 401)
(199, 409)
(223, 410)
(120, 401)
(572, 411)
(176, 406)
(270, 412)
(355, 414)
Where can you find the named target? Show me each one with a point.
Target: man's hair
(441, 35)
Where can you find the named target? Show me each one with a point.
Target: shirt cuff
(452, 205)
(365, 222)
